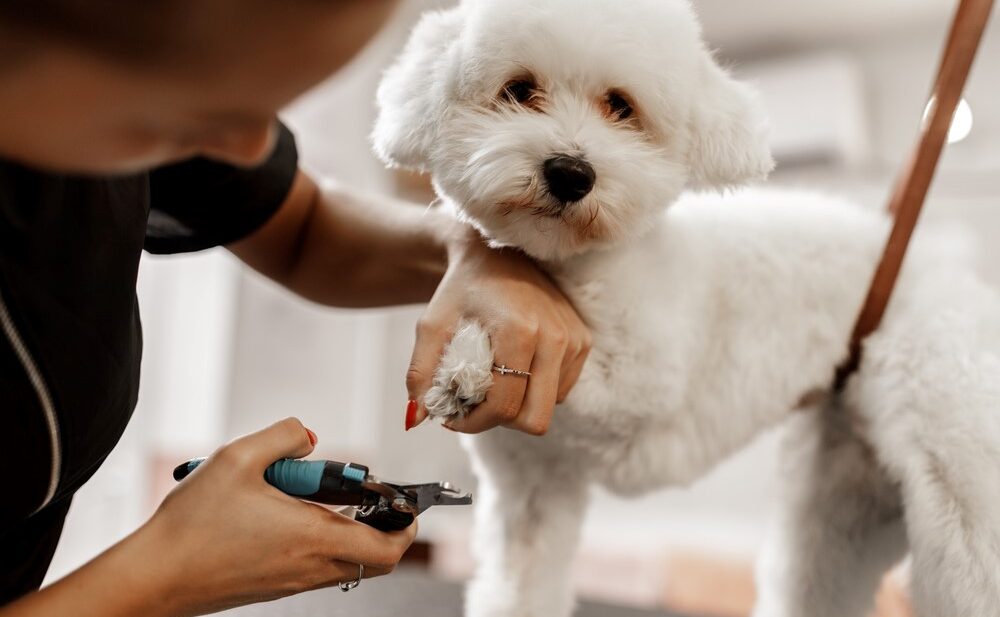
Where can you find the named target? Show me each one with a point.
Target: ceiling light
(961, 122)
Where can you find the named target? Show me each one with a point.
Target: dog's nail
(411, 414)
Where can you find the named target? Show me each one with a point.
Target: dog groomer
(132, 125)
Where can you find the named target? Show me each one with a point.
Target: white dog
(566, 128)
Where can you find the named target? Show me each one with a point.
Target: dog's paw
(464, 375)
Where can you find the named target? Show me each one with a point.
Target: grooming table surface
(405, 592)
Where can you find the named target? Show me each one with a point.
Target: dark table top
(406, 592)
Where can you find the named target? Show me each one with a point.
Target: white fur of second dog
(712, 315)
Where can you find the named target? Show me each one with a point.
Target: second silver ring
(349, 585)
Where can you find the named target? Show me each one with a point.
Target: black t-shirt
(70, 337)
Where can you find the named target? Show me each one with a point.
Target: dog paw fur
(464, 375)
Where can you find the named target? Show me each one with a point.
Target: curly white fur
(711, 318)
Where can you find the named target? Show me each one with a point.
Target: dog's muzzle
(569, 178)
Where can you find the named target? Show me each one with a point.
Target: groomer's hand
(532, 325)
(225, 537)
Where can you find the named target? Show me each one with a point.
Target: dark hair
(175, 33)
(135, 30)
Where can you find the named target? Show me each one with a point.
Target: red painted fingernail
(411, 414)
(312, 437)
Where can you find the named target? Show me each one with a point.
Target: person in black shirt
(151, 125)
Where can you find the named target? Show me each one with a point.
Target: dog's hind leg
(841, 527)
(934, 413)
(529, 508)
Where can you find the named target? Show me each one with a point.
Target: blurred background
(845, 82)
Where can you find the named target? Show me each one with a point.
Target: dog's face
(562, 125)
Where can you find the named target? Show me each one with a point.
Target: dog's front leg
(841, 528)
(530, 505)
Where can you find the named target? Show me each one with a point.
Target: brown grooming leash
(911, 190)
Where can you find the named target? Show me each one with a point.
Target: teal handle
(298, 478)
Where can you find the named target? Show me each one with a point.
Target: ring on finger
(504, 370)
(349, 585)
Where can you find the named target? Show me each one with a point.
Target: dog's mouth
(584, 218)
(553, 208)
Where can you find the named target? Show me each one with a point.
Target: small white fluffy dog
(570, 129)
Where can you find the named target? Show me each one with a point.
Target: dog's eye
(520, 91)
(618, 106)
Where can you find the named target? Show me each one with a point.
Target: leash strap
(911, 189)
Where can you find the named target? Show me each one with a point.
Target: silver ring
(503, 370)
(349, 585)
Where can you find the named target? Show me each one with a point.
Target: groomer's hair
(134, 30)
(140, 32)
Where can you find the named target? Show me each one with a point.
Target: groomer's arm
(341, 248)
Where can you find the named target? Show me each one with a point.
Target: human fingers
(514, 344)
(542, 385)
(256, 451)
(432, 336)
(577, 351)
(348, 541)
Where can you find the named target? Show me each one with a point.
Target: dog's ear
(412, 95)
(729, 144)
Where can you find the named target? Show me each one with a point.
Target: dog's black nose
(569, 178)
